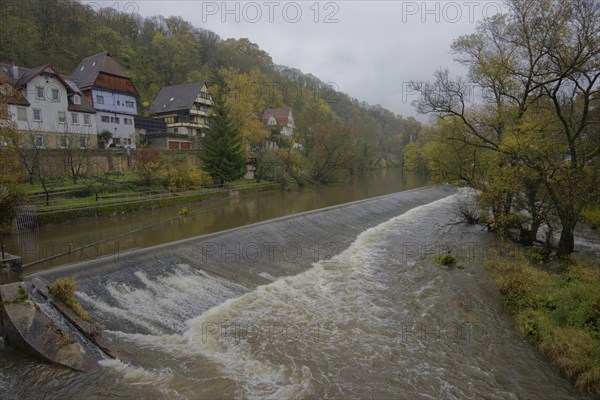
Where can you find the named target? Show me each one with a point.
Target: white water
(375, 321)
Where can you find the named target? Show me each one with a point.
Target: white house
(47, 108)
(280, 119)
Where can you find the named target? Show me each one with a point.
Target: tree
(149, 165)
(333, 151)
(223, 151)
(538, 69)
(76, 155)
(104, 138)
(246, 99)
(10, 173)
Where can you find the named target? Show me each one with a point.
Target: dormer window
(76, 99)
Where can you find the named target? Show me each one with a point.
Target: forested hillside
(162, 51)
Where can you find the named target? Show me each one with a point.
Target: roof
(8, 82)
(87, 71)
(281, 115)
(176, 98)
(24, 75)
(85, 105)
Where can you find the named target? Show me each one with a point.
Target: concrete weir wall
(255, 254)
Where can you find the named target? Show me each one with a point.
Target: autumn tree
(537, 68)
(10, 173)
(246, 96)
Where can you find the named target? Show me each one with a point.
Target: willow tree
(536, 68)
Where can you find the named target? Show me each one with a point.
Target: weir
(259, 253)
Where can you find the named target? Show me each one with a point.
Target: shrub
(446, 259)
(64, 290)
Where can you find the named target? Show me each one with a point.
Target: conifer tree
(223, 151)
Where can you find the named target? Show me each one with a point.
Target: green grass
(591, 215)
(69, 211)
(558, 312)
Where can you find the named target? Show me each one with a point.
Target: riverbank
(65, 210)
(556, 306)
(340, 302)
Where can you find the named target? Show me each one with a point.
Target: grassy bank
(557, 308)
(64, 210)
(591, 215)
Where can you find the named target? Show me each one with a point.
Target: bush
(64, 290)
(180, 175)
(446, 259)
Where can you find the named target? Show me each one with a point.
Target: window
(21, 113)
(75, 118)
(55, 94)
(115, 120)
(99, 99)
(39, 92)
(104, 118)
(128, 121)
(176, 130)
(129, 104)
(38, 141)
(37, 114)
(87, 120)
(82, 142)
(118, 140)
(63, 142)
(76, 99)
(62, 117)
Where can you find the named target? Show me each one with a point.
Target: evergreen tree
(223, 152)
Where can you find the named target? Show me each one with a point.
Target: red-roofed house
(279, 118)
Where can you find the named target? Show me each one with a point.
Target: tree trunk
(566, 243)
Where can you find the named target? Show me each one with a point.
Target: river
(344, 302)
(57, 244)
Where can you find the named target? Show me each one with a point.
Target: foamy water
(374, 321)
(378, 320)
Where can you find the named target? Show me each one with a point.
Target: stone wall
(56, 161)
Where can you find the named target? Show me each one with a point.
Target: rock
(27, 328)
(89, 329)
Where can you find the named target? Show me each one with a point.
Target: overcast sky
(368, 49)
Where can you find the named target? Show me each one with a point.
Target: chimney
(14, 70)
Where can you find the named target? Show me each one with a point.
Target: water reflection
(89, 238)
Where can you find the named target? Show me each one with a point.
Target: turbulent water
(377, 320)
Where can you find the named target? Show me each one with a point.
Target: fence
(26, 218)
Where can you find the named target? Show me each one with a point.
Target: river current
(377, 319)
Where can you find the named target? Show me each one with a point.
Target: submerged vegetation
(557, 308)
